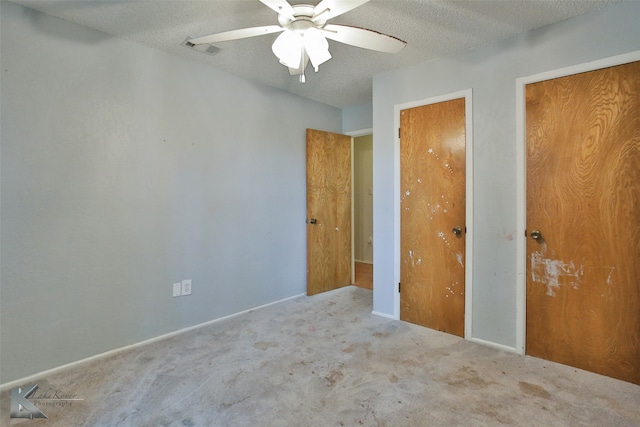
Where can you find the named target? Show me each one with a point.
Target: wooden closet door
(432, 181)
(583, 221)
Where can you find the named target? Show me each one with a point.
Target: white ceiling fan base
(303, 13)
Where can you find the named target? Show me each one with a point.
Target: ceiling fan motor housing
(302, 18)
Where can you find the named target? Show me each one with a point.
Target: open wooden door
(432, 215)
(583, 221)
(329, 259)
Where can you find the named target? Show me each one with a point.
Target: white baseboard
(495, 345)
(39, 375)
(388, 316)
(475, 340)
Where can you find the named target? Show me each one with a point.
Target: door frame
(354, 134)
(468, 103)
(521, 189)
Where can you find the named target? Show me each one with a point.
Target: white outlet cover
(177, 289)
(186, 287)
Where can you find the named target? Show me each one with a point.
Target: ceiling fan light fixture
(293, 46)
(288, 48)
(317, 47)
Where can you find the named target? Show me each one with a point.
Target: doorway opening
(363, 210)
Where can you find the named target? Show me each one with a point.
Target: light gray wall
(357, 117)
(125, 169)
(363, 198)
(491, 72)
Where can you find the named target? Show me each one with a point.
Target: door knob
(536, 235)
(312, 221)
(457, 231)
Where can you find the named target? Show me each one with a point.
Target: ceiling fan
(305, 32)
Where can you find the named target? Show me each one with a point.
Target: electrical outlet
(177, 289)
(186, 287)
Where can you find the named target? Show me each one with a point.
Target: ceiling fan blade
(281, 7)
(236, 34)
(327, 9)
(363, 38)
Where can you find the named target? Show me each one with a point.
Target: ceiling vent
(203, 48)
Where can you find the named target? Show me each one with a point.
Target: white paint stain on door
(554, 273)
(459, 259)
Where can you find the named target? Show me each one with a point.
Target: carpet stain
(188, 422)
(350, 349)
(232, 381)
(496, 412)
(393, 378)
(357, 347)
(265, 345)
(534, 390)
(468, 377)
(229, 405)
(380, 334)
(333, 377)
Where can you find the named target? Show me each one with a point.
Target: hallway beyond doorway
(364, 275)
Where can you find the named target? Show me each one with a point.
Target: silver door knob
(536, 235)
(457, 231)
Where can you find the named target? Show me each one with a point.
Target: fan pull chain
(303, 79)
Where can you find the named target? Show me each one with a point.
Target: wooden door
(432, 181)
(583, 197)
(328, 211)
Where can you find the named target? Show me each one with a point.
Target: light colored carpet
(326, 361)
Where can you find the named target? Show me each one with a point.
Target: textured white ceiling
(431, 28)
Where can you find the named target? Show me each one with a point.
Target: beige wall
(363, 199)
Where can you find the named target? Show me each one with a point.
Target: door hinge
(398, 286)
(399, 133)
